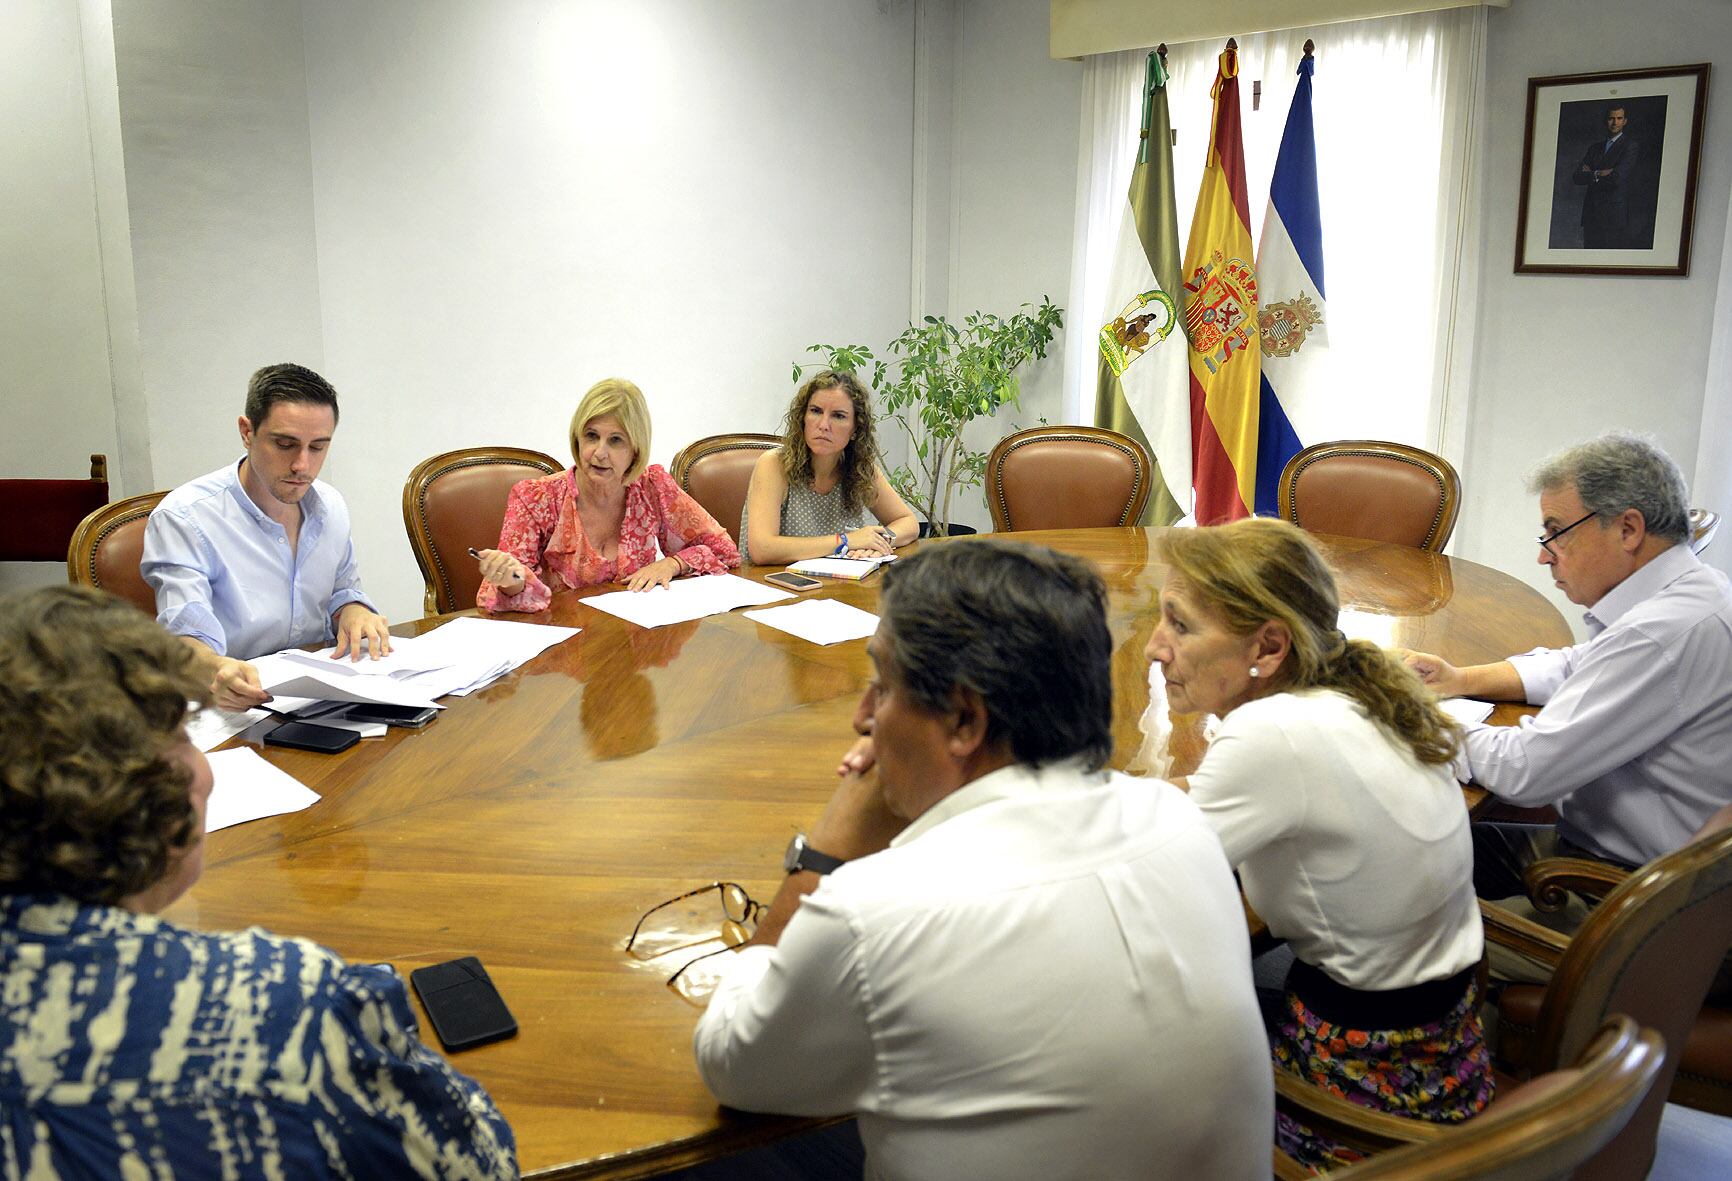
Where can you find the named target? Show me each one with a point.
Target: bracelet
(841, 546)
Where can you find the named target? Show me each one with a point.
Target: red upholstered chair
(1543, 1130)
(457, 500)
(106, 548)
(1370, 489)
(716, 472)
(1650, 950)
(1067, 477)
(41, 515)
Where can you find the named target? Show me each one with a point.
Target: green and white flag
(1145, 375)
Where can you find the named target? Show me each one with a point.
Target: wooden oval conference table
(533, 822)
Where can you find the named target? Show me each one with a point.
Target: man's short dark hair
(1022, 625)
(287, 383)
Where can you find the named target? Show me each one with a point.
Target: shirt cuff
(198, 622)
(343, 598)
(1541, 671)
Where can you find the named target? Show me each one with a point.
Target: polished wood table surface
(534, 821)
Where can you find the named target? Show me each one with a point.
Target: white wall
(54, 348)
(1562, 358)
(516, 199)
(1013, 191)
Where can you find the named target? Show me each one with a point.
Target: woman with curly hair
(133, 1047)
(810, 496)
(1329, 783)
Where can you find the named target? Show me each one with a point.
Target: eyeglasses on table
(739, 919)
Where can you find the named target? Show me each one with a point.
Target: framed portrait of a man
(1609, 168)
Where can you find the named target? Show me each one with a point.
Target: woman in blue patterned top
(130, 1047)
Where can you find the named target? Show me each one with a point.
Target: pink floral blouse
(542, 530)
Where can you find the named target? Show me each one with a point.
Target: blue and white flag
(1291, 312)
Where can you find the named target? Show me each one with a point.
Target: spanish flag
(1220, 295)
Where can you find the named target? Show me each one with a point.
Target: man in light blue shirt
(1632, 741)
(256, 556)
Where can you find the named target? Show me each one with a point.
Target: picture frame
(1609, 167)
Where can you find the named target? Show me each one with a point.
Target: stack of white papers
(822, 621)
(685, 599)
(455, 658)
(246, 787)
(1465, 709)
(853, 569)
(210, 728)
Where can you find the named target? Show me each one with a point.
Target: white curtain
(1711, 487)
(1397, 108)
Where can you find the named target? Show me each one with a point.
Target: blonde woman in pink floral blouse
(602, 519)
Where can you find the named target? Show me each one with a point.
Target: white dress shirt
(1634, 740)
(1351, 849)
(224, 573)
(1047, 975)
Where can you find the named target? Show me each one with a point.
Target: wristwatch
(801, 856)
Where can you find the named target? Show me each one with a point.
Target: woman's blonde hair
(623, 400)
(859, 465)
(1259, 570)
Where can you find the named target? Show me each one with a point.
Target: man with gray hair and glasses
(1633, 741)
(1007, 960)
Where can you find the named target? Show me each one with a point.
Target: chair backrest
(1067, 477)
(1371, 489)
(716, 472)
(1650, 950)
(1703, 523)
(457, 500)
(1546, 1129)
(41, 515)
(106, 548)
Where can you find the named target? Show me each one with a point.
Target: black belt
(1392, 1008)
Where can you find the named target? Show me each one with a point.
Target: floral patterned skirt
(1439, 1072)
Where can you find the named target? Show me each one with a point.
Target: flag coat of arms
(1220, 317)
(1291, 318)
(1143, 385)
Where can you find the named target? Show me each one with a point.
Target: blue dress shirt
(1635, 729)
(224, 573)
(130, 1047)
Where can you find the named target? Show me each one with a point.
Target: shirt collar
(1006, 783)
(312, 507)
(1670, 564)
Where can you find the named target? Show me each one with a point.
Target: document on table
(852, 569)
(686, 598)
(1465, 709)
(286, 675)
(247, 787)
(210, 728)
(822, 621)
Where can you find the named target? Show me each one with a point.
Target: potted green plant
(935, 379)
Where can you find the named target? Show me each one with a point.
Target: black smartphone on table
(465, 1008)
(306, 736)
(412, 716)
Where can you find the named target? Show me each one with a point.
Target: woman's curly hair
(93, 694)
(859, 464)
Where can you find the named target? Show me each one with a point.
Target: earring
(1254, 671)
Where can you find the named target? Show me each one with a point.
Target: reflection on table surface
(535, 821)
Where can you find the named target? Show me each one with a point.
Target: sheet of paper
(210, 728)
(408, 655)
(822, 621)
(687, 598)
(364, 729)
(247, 787)
(1466, 709)
(284, 676)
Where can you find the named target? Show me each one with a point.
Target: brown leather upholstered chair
(1703, 523)
(1378, 491)
(41, 515)
(1543, 1130)
(106, 548)
(1067, 477)
(716, 472)
(1704, 1078)
(457, 500)
(1650, 950)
